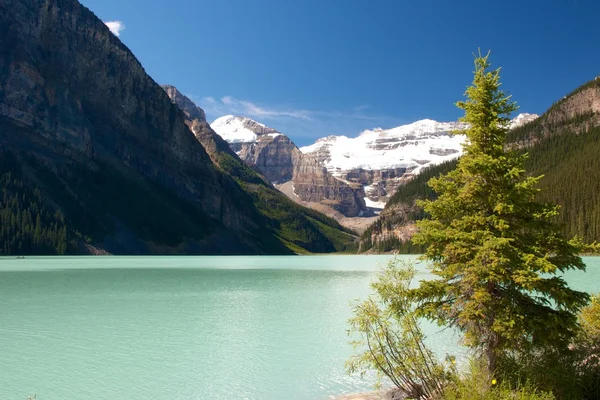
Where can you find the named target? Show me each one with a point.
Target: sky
(313, 68)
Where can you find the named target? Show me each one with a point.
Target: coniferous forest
(563, 148)
(26, 225)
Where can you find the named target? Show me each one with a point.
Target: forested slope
(563, 145)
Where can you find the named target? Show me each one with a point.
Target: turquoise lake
(174, 328)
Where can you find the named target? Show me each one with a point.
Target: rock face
(195, 119)
(576, 117)
(296, 224)
(106, 145)
(313, 183)
(189, 108)
(578, 111)
(275, 156)
(373, 165)
(262, 148)
(585, 100)
(383, 159)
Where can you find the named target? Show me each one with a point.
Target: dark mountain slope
(563, 145)
(82, 123)
(299, 227)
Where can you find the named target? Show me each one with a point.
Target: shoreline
(384, 394)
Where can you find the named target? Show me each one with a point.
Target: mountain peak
(522, 119)
(239, 129)
(191, 110)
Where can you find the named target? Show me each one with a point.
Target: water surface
(170, 328)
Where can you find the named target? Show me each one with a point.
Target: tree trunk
(490, 354)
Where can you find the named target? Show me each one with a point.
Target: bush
(475, 385)
(572, 373)
(587, 350)
(393, 340)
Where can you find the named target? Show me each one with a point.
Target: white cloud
(116, 27)
(231, 105)
(303, 125)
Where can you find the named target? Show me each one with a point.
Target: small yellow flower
(453, 361)
(494, 382)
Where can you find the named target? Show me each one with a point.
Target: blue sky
(312, 68)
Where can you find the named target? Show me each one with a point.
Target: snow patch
(408, 146)
(232, 129)
(236, 129)
(413, 147)
(374, 204)
(522, 119)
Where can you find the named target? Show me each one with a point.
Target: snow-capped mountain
(235, 129)
(374, 164)
(522, 119)
(381, 159)
(409, 146)
(275, 156)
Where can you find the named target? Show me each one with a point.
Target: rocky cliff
(562, 144)
(272, 154)
(578, 111)
(292, 221)
(383, 159)
(275, 156)
(189, 108)
(81, 121)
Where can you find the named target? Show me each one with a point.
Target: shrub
(587, 350)
(476, 385)
(393, 340)
(572, 373)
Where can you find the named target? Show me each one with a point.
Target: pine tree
(496, 251)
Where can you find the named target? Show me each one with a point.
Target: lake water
(174, 328)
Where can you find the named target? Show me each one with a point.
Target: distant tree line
(26, 226)
(564, 151)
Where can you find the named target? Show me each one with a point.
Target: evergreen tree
(496, 251)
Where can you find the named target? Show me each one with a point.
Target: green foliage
(476, 385)
(571, 179)
(401, 209)
(107, 201)
(299, 226)
(301, 229)
(572, 373)
(563, 150)
(391, 340)
(589, 319)
(496, 251)
(27, 226)
(571, 169)
(587, 351)
(103, 201)
(417, 187)
(239, 170)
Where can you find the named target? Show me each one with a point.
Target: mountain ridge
(378, 160)
(86, 132)
(562, 145)
(311, 230)
(277, 157)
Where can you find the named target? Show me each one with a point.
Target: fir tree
(496, 251)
